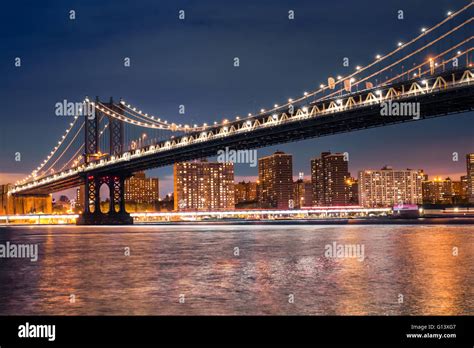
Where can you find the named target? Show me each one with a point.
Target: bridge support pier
(117, 214)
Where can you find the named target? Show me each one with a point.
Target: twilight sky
(190, 62)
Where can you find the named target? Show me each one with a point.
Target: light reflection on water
(274, 262)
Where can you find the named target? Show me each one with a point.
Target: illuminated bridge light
(36, 178)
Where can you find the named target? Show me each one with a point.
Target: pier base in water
(105, 219)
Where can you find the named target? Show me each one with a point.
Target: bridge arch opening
(104, 194)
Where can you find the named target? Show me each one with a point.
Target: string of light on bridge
(52, 153)
(154, 122)
(352, 78)
(166, 124)
(464, 79)
(413, 53)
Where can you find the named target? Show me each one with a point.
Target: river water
(239, 270)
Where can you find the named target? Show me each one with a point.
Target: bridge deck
(453, 99)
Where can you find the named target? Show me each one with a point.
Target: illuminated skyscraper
(203, 186)
(140, 189)
(275, 174)
(329, 175)
(470, 176)
(438, 191)
(387, 187)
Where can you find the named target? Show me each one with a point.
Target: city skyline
(198, 179)
(432, 141)
(166, 183)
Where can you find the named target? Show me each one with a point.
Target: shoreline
(397, 221)
(342, 222)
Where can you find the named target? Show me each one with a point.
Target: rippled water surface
(273, 262)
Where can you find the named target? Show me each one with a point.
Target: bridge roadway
(456, 96)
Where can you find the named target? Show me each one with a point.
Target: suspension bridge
(115, 139)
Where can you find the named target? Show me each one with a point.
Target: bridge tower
(117, 214)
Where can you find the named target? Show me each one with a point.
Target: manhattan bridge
(115, 139)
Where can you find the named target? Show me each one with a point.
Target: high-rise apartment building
(275, 174)
(140, 189)
(470, 176)
(388, 187)
(205, 186)
(438, 191)
(329, 175)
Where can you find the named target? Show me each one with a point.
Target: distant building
(424, 176)
(353, 187)
(329, 175)
(470, 176)
(10, 205)
(245, 192)
(4, 199)
(464, 187)
(302, 193)
(80, 197)
(459, 196)
(142, 190)
(275, 175)
(438, 191)
(387, 187)
(202, 185)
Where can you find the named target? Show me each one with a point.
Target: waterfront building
(142, 190)
(464, 187)
(329, 175)
(10, 205)
(470, 176)
(302, 193)
(202, 185)
(438, 191)
(275, 174)
(387, 187)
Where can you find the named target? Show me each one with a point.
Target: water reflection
(275, 265)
